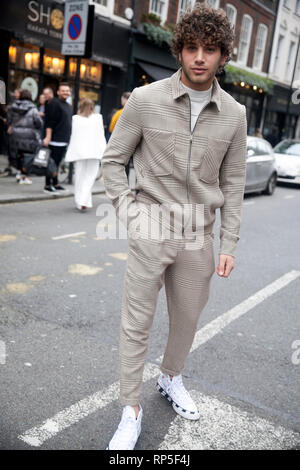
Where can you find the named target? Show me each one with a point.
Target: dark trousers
(57, 153)
(20, 162)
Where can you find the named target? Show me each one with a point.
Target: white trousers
(85, 175)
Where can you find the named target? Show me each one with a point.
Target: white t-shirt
(199, 99)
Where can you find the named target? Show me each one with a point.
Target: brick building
(247, 73)
(126, 52)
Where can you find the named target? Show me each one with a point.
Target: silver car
(287, 155)
(261, 166)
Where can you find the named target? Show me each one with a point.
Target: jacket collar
(178, 90)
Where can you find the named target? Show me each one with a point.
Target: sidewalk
(10, 191)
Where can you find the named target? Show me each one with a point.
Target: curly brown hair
(208, 25)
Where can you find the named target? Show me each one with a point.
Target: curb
(42, 198)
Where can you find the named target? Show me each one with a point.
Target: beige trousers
(186, 275)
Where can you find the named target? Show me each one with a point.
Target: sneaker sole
(191, 415)
(107, 448)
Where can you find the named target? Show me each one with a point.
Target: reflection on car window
(267, 149)
(261, 148)
(288, 148)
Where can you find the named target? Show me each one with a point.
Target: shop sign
(45, 18)
(74, 34)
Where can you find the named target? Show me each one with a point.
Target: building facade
(282, 113)
(248, 82)
(125, 52)
(246, 77)
(31, 56)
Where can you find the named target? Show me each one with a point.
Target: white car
(287, 155)
(261, 170)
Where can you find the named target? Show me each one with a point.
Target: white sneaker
(128, 430)
(25, 181)
(174, 391)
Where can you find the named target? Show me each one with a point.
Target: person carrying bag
(24, 123)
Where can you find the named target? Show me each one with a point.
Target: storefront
(34, 68)
(269, 105)
(252, 99)
(31, 39)
(150, 62)
(282, 115)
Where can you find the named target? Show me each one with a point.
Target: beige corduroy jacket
(174, 165)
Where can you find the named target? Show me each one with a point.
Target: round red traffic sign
(74, 27)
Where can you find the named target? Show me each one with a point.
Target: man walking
(58, 123)
(188, 140)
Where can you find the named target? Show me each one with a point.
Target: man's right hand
(46, 141)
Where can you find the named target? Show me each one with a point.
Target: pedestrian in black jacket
(58, 124)
(24, 124)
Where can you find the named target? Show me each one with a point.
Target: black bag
(28, 164)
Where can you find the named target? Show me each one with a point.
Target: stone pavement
(11, 191)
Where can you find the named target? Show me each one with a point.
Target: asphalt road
(59, 335)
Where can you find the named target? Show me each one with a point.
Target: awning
(155, 71)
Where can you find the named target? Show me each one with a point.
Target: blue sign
(74, 27)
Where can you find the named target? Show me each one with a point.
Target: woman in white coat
(86, 148)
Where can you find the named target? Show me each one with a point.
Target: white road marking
(65, 418)
(223, 426)
(248, 203)
(68, 235)
(69, 416)
(289, 196)
(216, 326)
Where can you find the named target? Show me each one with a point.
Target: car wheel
(271, 185)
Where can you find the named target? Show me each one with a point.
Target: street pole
(130, 71)
(76, 99)
(291, 89)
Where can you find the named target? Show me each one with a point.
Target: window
(54, 63)
(245, 37)
(297, 8)
(231, 14)
(297, 71)
(159, 8)
(24, 56)
(90, 71)
(101, 2)
(261, 39)
(183, 6)
(213, 3)
(290, 61)
(288, 148)
(263, 148)
(104, 7)
(278, 55)
(24, 63)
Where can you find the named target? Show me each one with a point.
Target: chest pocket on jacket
(159, 151)
(212, 159)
